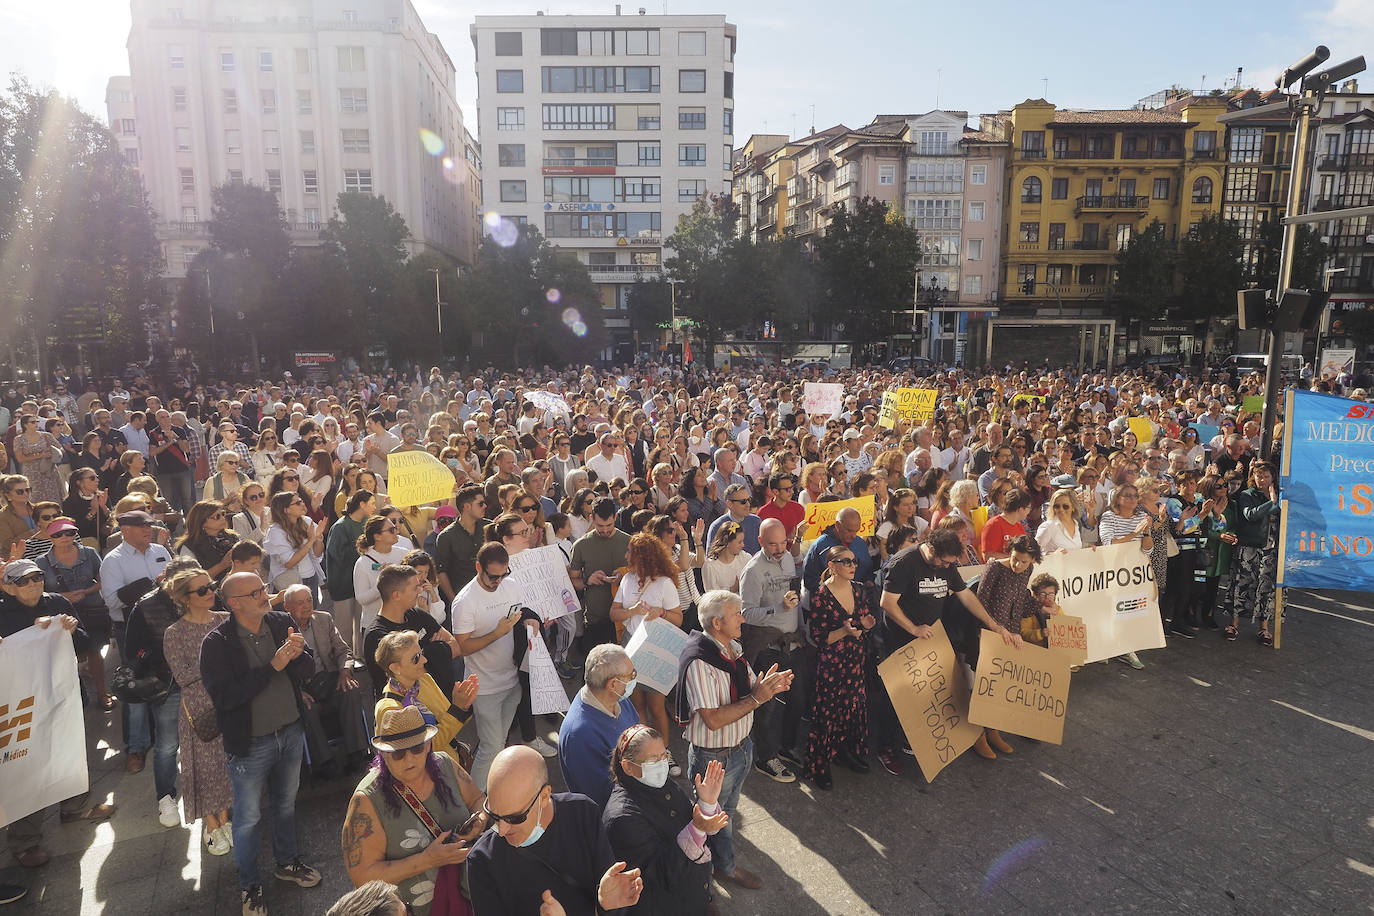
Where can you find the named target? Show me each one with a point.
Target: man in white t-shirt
(377, 444)
(485, 612)
(609, 463)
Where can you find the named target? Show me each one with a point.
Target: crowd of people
(272, 611)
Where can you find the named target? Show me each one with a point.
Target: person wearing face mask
(653, 825)
(596, 718)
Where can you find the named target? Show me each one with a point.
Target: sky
(846, 61)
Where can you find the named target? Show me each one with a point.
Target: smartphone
(794, 584)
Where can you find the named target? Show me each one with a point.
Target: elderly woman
(402, 660)
(653, 825)
(16, 518)
(206, 791)
(207, 538)
(228, 479)
(411, 820)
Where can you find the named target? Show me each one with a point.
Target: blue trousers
(273, 762)
(737, 762)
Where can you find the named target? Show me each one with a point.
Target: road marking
(1199, 683)
(1303, 607)
(1353, 729)
(1103, 807)
(1360, 867)
(1053, 780)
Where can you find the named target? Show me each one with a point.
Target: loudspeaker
(1292, 306)
(1250, 309)
(1312, 314)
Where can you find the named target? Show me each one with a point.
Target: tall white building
(602, 131)
(308, 97)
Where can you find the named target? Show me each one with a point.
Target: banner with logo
(1113, 590)
(1326, 536)
(416, 478)
(1336, 360)
(820, 516)
(42, 733)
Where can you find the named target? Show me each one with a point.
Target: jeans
(179, 489)
(134, 718)
(737, 762)
(777, 725)
(494, 713)
(166, 743)
(273, 762)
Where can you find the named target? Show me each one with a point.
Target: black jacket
(232, 684)
(15, 616)
(642, 825)
(148, 623)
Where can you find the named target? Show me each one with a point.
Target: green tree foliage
(369, 237)
(251, 248)
(1209, 264)
(869, 257)
(712, 267)
(1145, 273)
(78, 255)
(1309, 257)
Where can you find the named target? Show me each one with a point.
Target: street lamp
(438, 315)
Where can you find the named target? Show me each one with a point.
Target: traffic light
(1028, 287)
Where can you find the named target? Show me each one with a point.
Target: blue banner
(1327, 480)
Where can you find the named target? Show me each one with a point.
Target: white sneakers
(542, 747)
(218, 842)
(167, 813)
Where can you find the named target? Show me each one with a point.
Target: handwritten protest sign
(1070, 636)
(1024, 691)
(911, 404)
(1113, 590)
(1144, 430)
(547, 695)
(542, 576)
(1036, 401)
(823, 397)
(655, 650)
(416, 478)
(931, 699)
(820, 516)
(549, 403)
(1252, 403)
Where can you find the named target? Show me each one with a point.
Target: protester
(594, 568)
(72, 570)
(208, 539)
(400, 593)
(333, 699)
(772, 635)
(648, 591)
(1256, 551)
(408, 684)
(379, 545)
(597, 716)
(341, 556)
(294, 545)
(1123, 523)
(1004, 592)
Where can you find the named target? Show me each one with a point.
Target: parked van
(1243, 363)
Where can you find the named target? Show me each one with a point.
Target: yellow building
(1081, 184)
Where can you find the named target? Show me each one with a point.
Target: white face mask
(653, 775)
(629, 688)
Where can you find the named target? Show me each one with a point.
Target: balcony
(1085, 154)
(846, 175)
(189, 229)
(1344, 161)
(1341, 201)
(1353, 242)
(622, 273)
(1205, 154)
(1091, 245)
(1347, 284)
(1031, 153)
(577, 163)
(1113, 202)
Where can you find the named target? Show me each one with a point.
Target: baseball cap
(445, 512)
(850, 433)
(19, 569)
(61, 524)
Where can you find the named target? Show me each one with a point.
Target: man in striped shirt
(721, 694)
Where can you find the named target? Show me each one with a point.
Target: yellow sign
(913, 404)
(820, 516)
(1144, 430)
(415, 478)
(1036, 401)
(980, 520)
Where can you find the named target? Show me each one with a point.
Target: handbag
(449, 894)
(130, 688)
(206, 726)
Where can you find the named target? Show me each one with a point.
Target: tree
(1145, 273)
(1209, 262)
(369, 237)
(251, 248)
(78, 255)
(1309, 257)
(711, 267)
(869, 257)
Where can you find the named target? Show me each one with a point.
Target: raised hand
(619, 888)
(709, 784)
(709, 825)
(465, 692)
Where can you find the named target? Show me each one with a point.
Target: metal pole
(210, 307)
(438, 315)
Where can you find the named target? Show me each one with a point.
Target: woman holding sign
(1123, 522)
(1004, 590)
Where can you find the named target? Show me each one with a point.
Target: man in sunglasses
(544, 847)
(254, 666)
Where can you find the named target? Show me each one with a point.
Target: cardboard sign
(1252, 403)
(823, 398)
(1113, 590)
(979, 514)
(547, 694)
(542, 574)
(887, 410)
(1144, 430)
(416, 478)
(931, 699)
(1070, 636)
(911, 404)
(820, 516)
(1205, 433)
(969, 573)
(1023, 691)
(655, 650)
(1036, 401)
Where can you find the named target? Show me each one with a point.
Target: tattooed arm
(473, 797)
(364, 849)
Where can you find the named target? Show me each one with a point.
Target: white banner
(42, 733)
(542, 574)
(1113, 589)
(547, 694)
(655, 650)
(823, 397)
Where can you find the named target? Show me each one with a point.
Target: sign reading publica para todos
(931, 700)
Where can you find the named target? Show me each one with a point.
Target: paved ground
(1224, 778)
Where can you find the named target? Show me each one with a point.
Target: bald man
(772, 633)
(563, 852)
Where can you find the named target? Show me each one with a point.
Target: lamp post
(438, 315)
(209, 307)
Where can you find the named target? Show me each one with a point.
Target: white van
(1243, 363)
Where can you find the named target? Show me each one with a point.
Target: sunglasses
(496, 577)
(290, 477)
(637, 492)
(64, 533)
(845, 561)
(255, 594)
(216, 515)
(742, 502)
(515, 820)
(532, 508)
(21, 490)
(30, 579)
(202, 591)
(47, 518)
(405, 752)
(254, 497)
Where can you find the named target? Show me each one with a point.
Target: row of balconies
(1100, 244)
(1346, 161)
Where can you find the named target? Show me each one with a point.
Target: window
(351, 59)
(978, 174)
(353, 101)
(579, 117)
(729, 118)
(510, 119)
(235, 176)
(638, 190)
(269, 101)
(510, 154)
(973, 285)
(310, 181)
(934, 176)
(183, 139)
(690, 190)
(231, 100)
(977, 211)
(131, 156)
(934, 143)
(126, 127)
(178, 98)
(356, 141)
(302, 56)
(1024, 272)
(307, 142)
(691, 81)
(188, 180)
(513, 191)
(274, 180)
(509, 44)
(1205, 144)
(599, 79)
(1202, 191)
(637, 42)
(1161, 189)
(359, 180)
(1092, 188)
(176, 57)
(1030, 232)
(1058, 274)
(1033, 144)
(649, 153)
(1245, 144)
(691, 44)
(1123, 235)
(1030, 190)
(226, 60)
(937, 213)
(190, 215)
(557, 42)
(510, 80)
(691, 119)
(602, 225)
(350, 15)
(649, 121)
(233, 141)
(729, 80)
(264, 61)
(1059, 189)
(1127, 187)
(312, 216)
(271, 142)
(887, 174)
(1056, 237)
(975, 249)
(305, 104)
(691, 154)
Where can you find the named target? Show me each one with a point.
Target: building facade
(1343, 177)
(603, 131)
(304, 97)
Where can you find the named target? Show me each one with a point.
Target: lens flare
(503, 232)
(579, 328)
(553, 296)
(448, 163)
(1011, 860)
(432, 142)
(571, 316)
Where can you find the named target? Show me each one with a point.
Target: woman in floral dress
(840, 614)
(34, 450)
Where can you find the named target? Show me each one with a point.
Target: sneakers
(542, 747)
(674, 768)
(297, 872)
(9, 893)
(215, 843)
(775, 770)
(253, 904)
(891, 762)
(167, 814)
(563, 670)
(1130, 659)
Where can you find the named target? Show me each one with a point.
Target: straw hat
(402, 729)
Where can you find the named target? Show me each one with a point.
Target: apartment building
(307, 97)
(1342, 177)
(603, 131)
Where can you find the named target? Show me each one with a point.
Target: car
(1239, 364)
(917, 364)
(818, 366)
(1157, 362)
